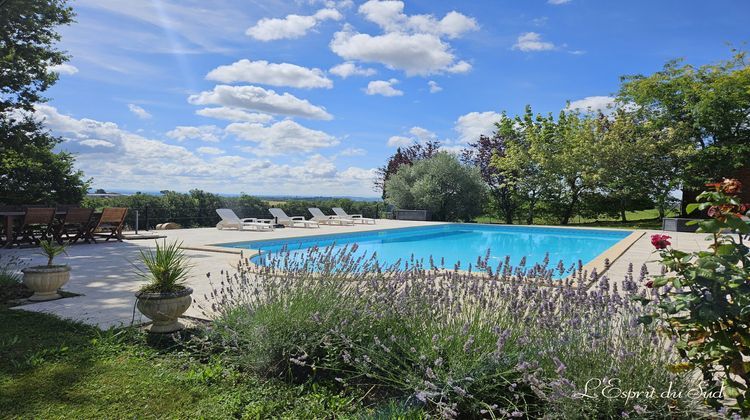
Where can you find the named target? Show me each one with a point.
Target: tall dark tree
(480, 154)
(404, 156)
(30, 170)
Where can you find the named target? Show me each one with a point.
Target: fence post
(146, 215)
(136, 222)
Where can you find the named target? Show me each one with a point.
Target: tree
(522, 172)
(30, 171)
(406, 156)
(441, 184)
(250, 206)
(550, 160)
(480, 154)
(707, 109)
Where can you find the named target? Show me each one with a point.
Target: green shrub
(9, 266)
(704, 301)
(444, 186)
(502, 343)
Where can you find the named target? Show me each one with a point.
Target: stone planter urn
(45, 280)
(164, 309)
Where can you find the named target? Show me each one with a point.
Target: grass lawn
(55, 369)
(641, 219)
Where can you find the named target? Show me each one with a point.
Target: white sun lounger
(296, 221)
(321, 218)
(229, 220)
(356, 218)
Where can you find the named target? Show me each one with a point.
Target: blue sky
(308, 97)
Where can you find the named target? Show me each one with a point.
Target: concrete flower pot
(45, 280)
(164, 309)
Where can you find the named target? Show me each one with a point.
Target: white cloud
(234, 114)
(389, 15)
(259, 99)
(434, 86)
(422, 133)
(383, 87)
(352, 151)
(96, 143)
(283, 137)
(209, 133)
(317, 166)
(290, 27)
(470, 126)
(558, 2)
(210, 150)
(366, 175)
(416, 135)
(416, 54)
(399, 141)
(274, 74)
(139, 112)
(460, 67)
(413, 43)
(348, 68)
(64, 68)
(532, 41)
(134, 161)
(593, 104)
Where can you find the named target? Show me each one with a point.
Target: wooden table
(10, 217)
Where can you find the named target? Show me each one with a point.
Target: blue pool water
(459, 242)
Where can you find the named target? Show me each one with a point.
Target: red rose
(660, 241)
(650, 284)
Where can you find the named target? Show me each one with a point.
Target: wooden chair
(36, 225)
(111, 222)
(74, 225)
(4, 230)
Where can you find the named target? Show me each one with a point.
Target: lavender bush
(474, 342)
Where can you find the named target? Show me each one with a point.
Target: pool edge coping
(613, 253)
(598, 264)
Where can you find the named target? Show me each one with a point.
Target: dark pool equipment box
(678, 224)
(419, 215)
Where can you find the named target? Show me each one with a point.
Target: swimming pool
(454, 243)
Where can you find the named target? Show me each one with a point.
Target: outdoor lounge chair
(36, 225)
(229, 220)
(74, 225)
(356, 218)
(321, 218)
(110, 222)
(296, 221)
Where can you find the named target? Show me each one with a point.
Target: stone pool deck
(103, 273)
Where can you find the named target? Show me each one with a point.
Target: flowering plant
(705, 296)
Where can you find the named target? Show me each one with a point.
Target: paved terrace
(103, 273)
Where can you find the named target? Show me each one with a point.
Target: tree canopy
(30, 170)
(441, 184)
(705, 109)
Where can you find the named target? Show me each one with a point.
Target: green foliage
(198, 208)
(51, 249)
(456, 345)
(166, 268)
(707, 304)
(69, 370)
(9, 266)
(706, 109)
(442, 185)
(32, 172)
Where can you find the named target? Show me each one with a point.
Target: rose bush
(704, 297)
